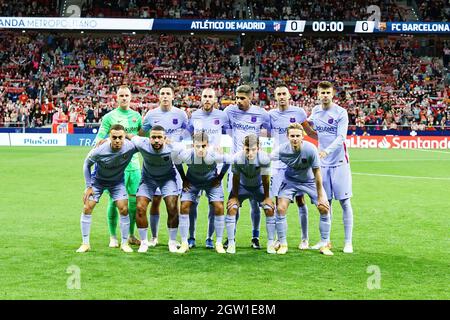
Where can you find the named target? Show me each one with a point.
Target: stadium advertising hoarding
(4, 139)
(37, 140)
(364, 142)
(396, 142)
(82, 140)
(277, 26)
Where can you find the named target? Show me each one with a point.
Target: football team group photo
(295, 171)
(215, 157)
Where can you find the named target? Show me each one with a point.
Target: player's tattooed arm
(309, 130)
(87, 193)
(88, 162)
(321, 197)
(266, 187)
(186, 183)
(218, 179)
(323, 154)
(141, 133)
(100, 142)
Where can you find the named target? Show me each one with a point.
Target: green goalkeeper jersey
(130, 119)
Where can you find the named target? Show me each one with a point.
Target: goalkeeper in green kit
(132, 121)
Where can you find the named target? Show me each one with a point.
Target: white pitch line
(397, 160)
(435, 151)
(396, 176)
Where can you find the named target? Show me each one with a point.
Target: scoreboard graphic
(261, 26)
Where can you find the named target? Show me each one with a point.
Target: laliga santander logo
(398, 142)
(384, 144)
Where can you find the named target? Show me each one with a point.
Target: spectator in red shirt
(23, 98)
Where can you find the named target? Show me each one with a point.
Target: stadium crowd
(223, 9)
(28, 8)
(434, 10)
(259, 9)
(371, 74)
(429, 10)
(56, 78)
(331, 10)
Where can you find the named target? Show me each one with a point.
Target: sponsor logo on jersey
(209, 131)
(239, 126)
(326, 129)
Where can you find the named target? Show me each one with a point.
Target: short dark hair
(171, 87)
(158, 128)
(200, 136)
(325, 85)
(281, 85)
(117, 127)
(245, 89)
(251, 140)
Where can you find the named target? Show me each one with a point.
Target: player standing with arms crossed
(132, 121)
(331, 124)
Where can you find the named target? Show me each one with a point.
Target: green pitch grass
(402, 222)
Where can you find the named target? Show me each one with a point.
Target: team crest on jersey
(330, 121)
(216, 121)
(124, 156)
(292, 120)
(254, 118)
(166, 158)
(134, 119)
(175, 121)
(304, 160)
